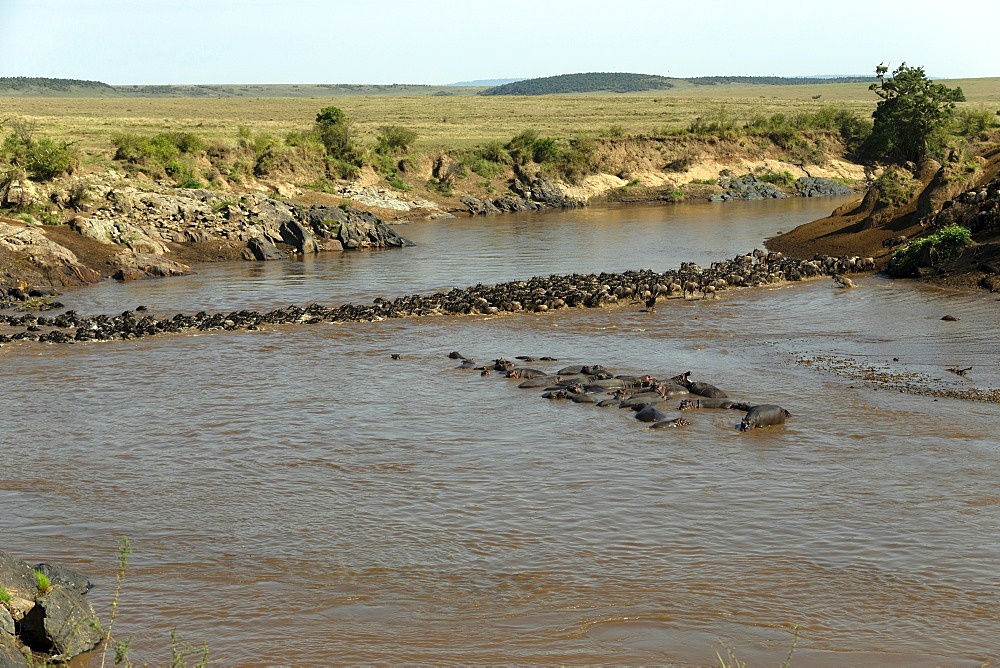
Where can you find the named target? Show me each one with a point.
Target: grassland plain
(446, 122)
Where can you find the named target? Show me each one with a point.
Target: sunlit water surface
(295, 496)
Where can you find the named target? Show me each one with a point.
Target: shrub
(43, 159)
(782, 179)
(334, 131)
(973, 122)
(392, 139)
(895, 186)
(944, 245)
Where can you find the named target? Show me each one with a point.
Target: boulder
(65, 577)
(16, 576)
(295, 234)
(62, 623)
(17, 192)
(137, 266)
(262, 249)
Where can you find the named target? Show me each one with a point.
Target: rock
(746, 187)
(6, 624)
(811, 186)
(262, 249)
(16, 576)
(138, 266)
(59, 264)
(295, 234)
(10, 655)
(62, 623)
(65, 577)
(17, 192)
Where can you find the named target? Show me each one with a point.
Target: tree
(908, 118)
(335, 132)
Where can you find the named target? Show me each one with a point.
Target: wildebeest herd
(644, 395)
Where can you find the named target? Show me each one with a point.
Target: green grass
(5, 596)
(43, 581)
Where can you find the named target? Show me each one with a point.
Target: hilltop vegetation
(30, 86)
(624, 82)
(590, 82)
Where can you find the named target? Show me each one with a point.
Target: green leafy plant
(5, 597)
(941, 246)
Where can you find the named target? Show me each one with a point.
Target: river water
(294, 496)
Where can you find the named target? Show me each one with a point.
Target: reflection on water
(297, 497)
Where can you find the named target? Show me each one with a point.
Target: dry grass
(453, 122)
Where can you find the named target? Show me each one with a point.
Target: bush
(895, 186)
(392, 139)
(973, 122)
(782, 179)
(334, 131)
(944, 245)
(43, 159)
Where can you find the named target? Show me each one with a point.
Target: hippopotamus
(688, 404)
(649, 414)
(539, 381)
(706, 390)
(583, 398)
(637, 401)
(525, 373)
(764, 415)
(467, 364)
(664, 424)
(455, 355)
(669, 389)
(502, 365)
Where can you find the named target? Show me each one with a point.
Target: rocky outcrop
(748, 186)
(58, 265)
(142, 229)
(528, 195)
(58, 623)
(752, 187)
(812, 186)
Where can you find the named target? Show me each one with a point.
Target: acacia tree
(908, 117)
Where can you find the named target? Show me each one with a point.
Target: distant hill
(623, 82)
(40, 87)
(488, 82)
(775, 81)
(590, 82)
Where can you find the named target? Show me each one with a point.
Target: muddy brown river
(294, 496)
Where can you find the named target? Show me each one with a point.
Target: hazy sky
(445, 41)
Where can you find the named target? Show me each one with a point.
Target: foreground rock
(58, 623)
